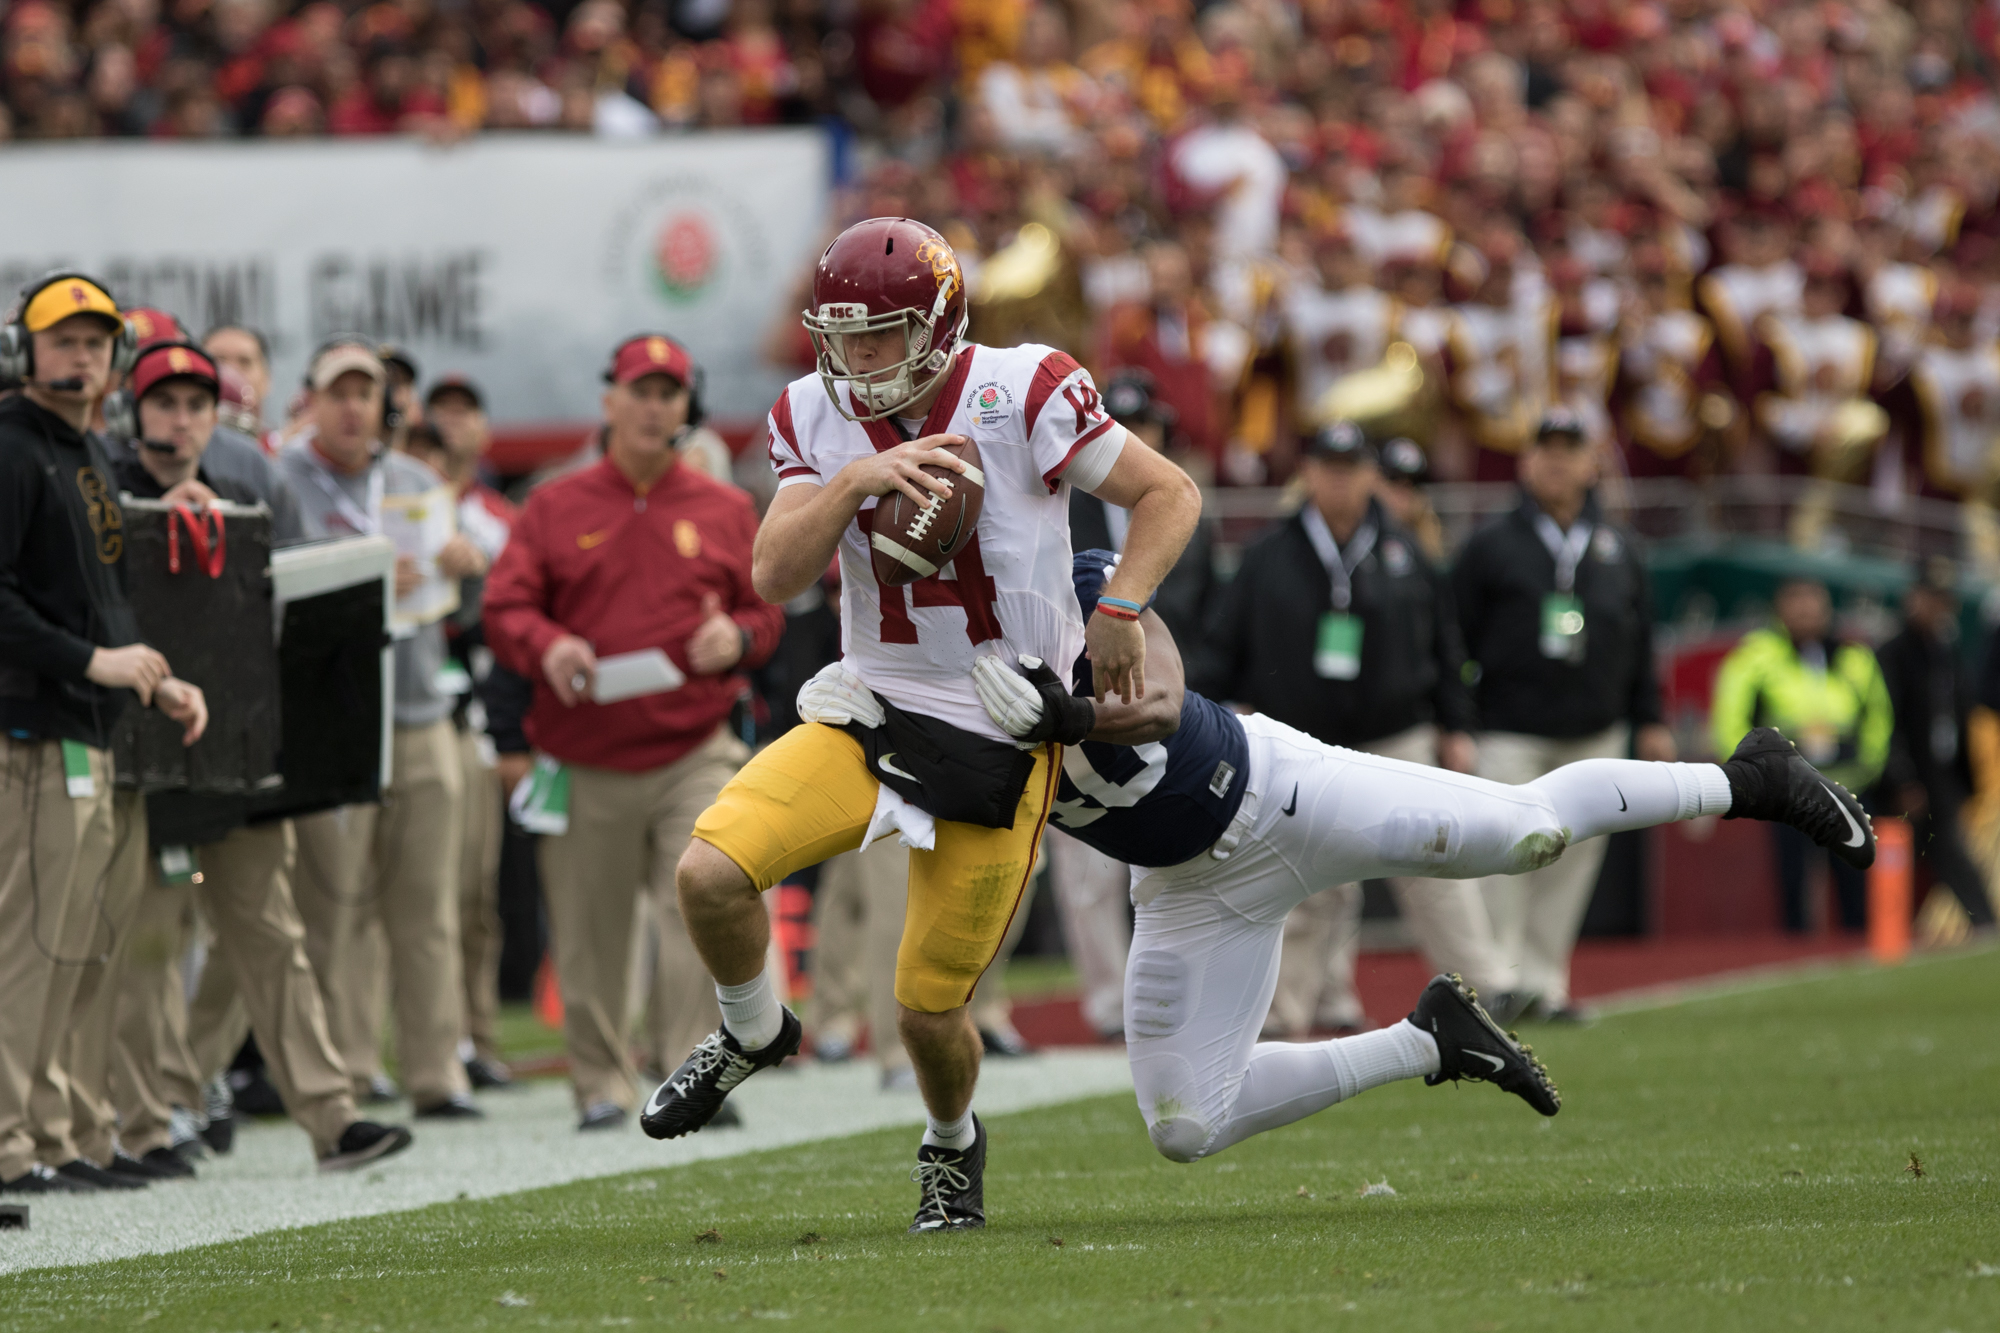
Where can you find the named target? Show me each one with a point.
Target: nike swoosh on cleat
(888, 767)
(655, 1104)
(1622, 807)
(1859, 837)
(1293, 807)
(1497, 1063)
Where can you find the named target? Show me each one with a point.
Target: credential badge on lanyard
(1337, 646)
(1562, 636)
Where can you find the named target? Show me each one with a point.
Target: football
(912, 541)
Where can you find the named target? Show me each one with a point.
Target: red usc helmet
(879, 276)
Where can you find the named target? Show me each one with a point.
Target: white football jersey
(1040, 427)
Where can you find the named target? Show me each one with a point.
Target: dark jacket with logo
(1262, 638)
(62, 585)
(1500, 581)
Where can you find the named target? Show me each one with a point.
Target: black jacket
(62, 580)
(1930, 696)
(1266, 626)
(1499, 582)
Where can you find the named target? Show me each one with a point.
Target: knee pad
(1156, 993)
(1180, 1138)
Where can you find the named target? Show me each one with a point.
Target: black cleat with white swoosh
(1770, 779)
(693, 1094)
(1472, 1046)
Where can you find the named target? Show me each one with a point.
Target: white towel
(895, 815)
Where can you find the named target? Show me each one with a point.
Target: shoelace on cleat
(711, 1057)
(932, 1178)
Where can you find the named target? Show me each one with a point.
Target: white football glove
(1011, 701)
(837, 697)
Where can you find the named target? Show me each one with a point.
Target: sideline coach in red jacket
(636, 552)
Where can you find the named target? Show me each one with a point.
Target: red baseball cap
(649, 354)
(169, 361)
(151, 324)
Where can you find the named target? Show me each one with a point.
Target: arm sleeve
(763, 622)
(518, 628)
(1450, 700)
(28, 640)
(781, 442)
(1070, 435)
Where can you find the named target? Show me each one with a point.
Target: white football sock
(957, 1135)
(1370, 1059)
(751, 1012)
(1704, 789)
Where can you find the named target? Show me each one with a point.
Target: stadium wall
(516, 259)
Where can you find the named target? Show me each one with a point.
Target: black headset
(17, 345)
(696, 413)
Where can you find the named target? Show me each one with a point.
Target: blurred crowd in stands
(1730, 234)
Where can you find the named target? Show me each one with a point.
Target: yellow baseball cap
(68, 296)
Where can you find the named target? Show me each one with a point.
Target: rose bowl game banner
(518, 260)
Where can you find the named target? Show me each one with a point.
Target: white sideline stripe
(528, 1140)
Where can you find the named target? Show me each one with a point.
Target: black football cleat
(1471, 1045)
(363, 1142)
(951, 1185)
(693, 1094)
(1770, 779)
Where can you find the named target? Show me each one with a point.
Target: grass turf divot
(1732, 1163)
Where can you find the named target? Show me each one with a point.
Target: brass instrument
(1842, 457)
(1029, 290)
(1393, 397)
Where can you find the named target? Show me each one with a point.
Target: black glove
(1065, 717)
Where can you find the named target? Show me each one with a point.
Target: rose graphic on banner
(685, 255)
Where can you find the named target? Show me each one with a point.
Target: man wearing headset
(389, 865)
(70, 662)
(640, 551)
(245, 888)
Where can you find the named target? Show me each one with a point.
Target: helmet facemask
(890, 388)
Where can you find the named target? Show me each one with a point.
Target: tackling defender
(895, 381)
(1230, 822)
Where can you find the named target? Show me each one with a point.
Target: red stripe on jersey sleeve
(1053, 477)
(1055, 368)
(781, 425)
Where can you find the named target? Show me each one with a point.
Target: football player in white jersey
(915, 749)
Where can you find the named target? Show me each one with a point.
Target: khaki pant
(479, 932)
(390, 873)
(857, 926)
(1093, 893)
(1446, 917)
(55, 858)
(71, 1103)
(1536, 916)
(626, 835)
(246, 896)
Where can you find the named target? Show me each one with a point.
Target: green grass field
(1735, 1163)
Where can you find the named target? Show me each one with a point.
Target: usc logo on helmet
(943, 264)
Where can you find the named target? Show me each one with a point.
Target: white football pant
(1205, 946)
